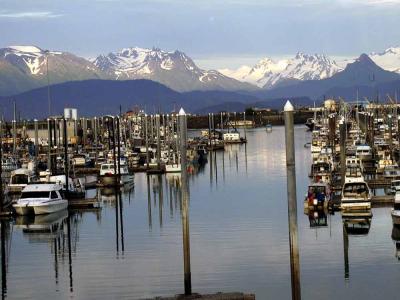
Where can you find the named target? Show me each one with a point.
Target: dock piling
(185, 199)
(292, 201)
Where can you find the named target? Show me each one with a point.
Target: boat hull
(40, 208)
(112, 181)
(355, 206)
(396, 217)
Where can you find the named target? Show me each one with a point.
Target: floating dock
(217, 296)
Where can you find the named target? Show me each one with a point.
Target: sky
(216, 33)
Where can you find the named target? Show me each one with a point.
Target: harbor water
(238, 237)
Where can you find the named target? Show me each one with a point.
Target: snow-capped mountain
(25, 67)
(388, 59)
(173, 69)
(268, 73)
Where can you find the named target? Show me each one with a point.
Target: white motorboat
(394, 186)
(40, 199)
(19, 179)
(396, 209)
(107, 172)
(364, 152)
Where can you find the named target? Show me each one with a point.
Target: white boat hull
(40, 208)
(396, 217)
(52, 207)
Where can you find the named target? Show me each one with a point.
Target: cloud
(29, 15)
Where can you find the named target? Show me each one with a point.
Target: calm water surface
(238, 235)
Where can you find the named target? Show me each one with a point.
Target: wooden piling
(292, 201)
(185, 199)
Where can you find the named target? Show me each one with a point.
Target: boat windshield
(397, 206)
(316, 190)
(25, 195)
(19, 179)
(356, 190)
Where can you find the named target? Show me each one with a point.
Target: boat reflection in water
(42, 227)
(357, 223)
(396, 239)
(56, 229)
(317, 217)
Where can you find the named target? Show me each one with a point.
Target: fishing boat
(396, 209)
(107, 174)
(394, 187)
(19, 179)
(321, 170)
(318, 195)
(356, 194)
(9, 164)
(40, 199)
(80, 160)
(364, 152)
(391, 172)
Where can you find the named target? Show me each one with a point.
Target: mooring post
(244, 125)
(14, 131)
(36, 139)
(390, 124)
(95, 138)
(146, 135)
(3, 259)
(84, 131)
(209, 129)
(346, 252)
(185, 200)
(1, 171)
(292, 201)
(119, 150)
(342, 132)
(332, 129)
(49, 145)
(158, 141)
(113, 151)
(66, 159)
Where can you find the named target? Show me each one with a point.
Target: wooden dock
(84, 203)
(86, 171)
(217, 296)
(378, 183)
(384, 199)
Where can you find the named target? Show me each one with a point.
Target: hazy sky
(222, 33)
